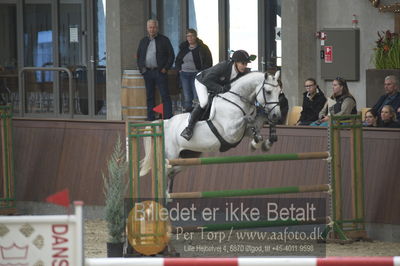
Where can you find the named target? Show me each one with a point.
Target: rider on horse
(216, 80)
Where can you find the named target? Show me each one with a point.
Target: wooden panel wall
(51, 155)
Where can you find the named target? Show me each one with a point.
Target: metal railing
(21, 80)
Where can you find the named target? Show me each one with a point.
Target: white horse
(241, 111)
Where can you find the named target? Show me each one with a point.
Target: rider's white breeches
(201, 93)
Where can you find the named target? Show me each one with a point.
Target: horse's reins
(238, 106)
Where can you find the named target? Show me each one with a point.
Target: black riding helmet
(242, 56)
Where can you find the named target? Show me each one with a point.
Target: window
(278, 42)
(100, 58)
(203, 17)
(172, 22)
(8, 56)
(243, 28)
(38, 52)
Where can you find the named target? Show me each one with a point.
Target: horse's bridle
(264, 95)
(272, 129)
(262, 108)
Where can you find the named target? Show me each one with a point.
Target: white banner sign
(54, 240)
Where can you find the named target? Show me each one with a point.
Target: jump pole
(357, 181)
(354, 226)
(249, 192)
(250, 159)
(135, 133)
(7, 178)
(248, 224)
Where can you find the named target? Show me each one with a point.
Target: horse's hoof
(254, 145)
(265, 149)
(252, 148)
(266, 146)
(258, 138)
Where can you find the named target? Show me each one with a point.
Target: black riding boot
(197, 112)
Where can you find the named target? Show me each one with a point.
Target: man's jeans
(151, 79)
(189, 90)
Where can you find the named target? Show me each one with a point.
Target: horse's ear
(277, 74)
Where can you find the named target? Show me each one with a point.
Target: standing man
(155, 56)
(392, 96)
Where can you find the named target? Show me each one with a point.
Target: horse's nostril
(274, 116)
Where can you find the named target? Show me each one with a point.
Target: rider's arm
(214, 78)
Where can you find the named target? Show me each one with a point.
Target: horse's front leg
(170, 182)
(267, 144)
(257, 139)
(171, 173)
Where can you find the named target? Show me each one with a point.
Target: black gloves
(220, 90)
(227, 87)
(223, 89)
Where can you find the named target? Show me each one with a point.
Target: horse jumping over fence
(252, 101)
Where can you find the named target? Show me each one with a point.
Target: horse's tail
(145, 163)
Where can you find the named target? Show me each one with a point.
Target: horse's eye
(269, 92)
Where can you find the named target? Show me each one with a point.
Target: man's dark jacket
(395, 103)
(201, 55)
(312, 107)
(164, 53)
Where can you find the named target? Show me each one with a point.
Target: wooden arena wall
(50, 155)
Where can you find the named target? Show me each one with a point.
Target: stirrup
(187, 133)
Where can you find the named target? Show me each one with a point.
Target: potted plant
(115, 185)
(386, 58)
(387, 51)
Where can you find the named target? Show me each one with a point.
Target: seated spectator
(370, 118)
(313, 101)
(388, 117)
(340, 103)
(391, 97)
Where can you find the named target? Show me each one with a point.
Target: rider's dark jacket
(217, 79)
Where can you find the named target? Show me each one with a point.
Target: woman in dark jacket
(388, 117)
(313, 101)
(193, 57)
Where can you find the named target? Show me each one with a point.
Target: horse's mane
(245, 78)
